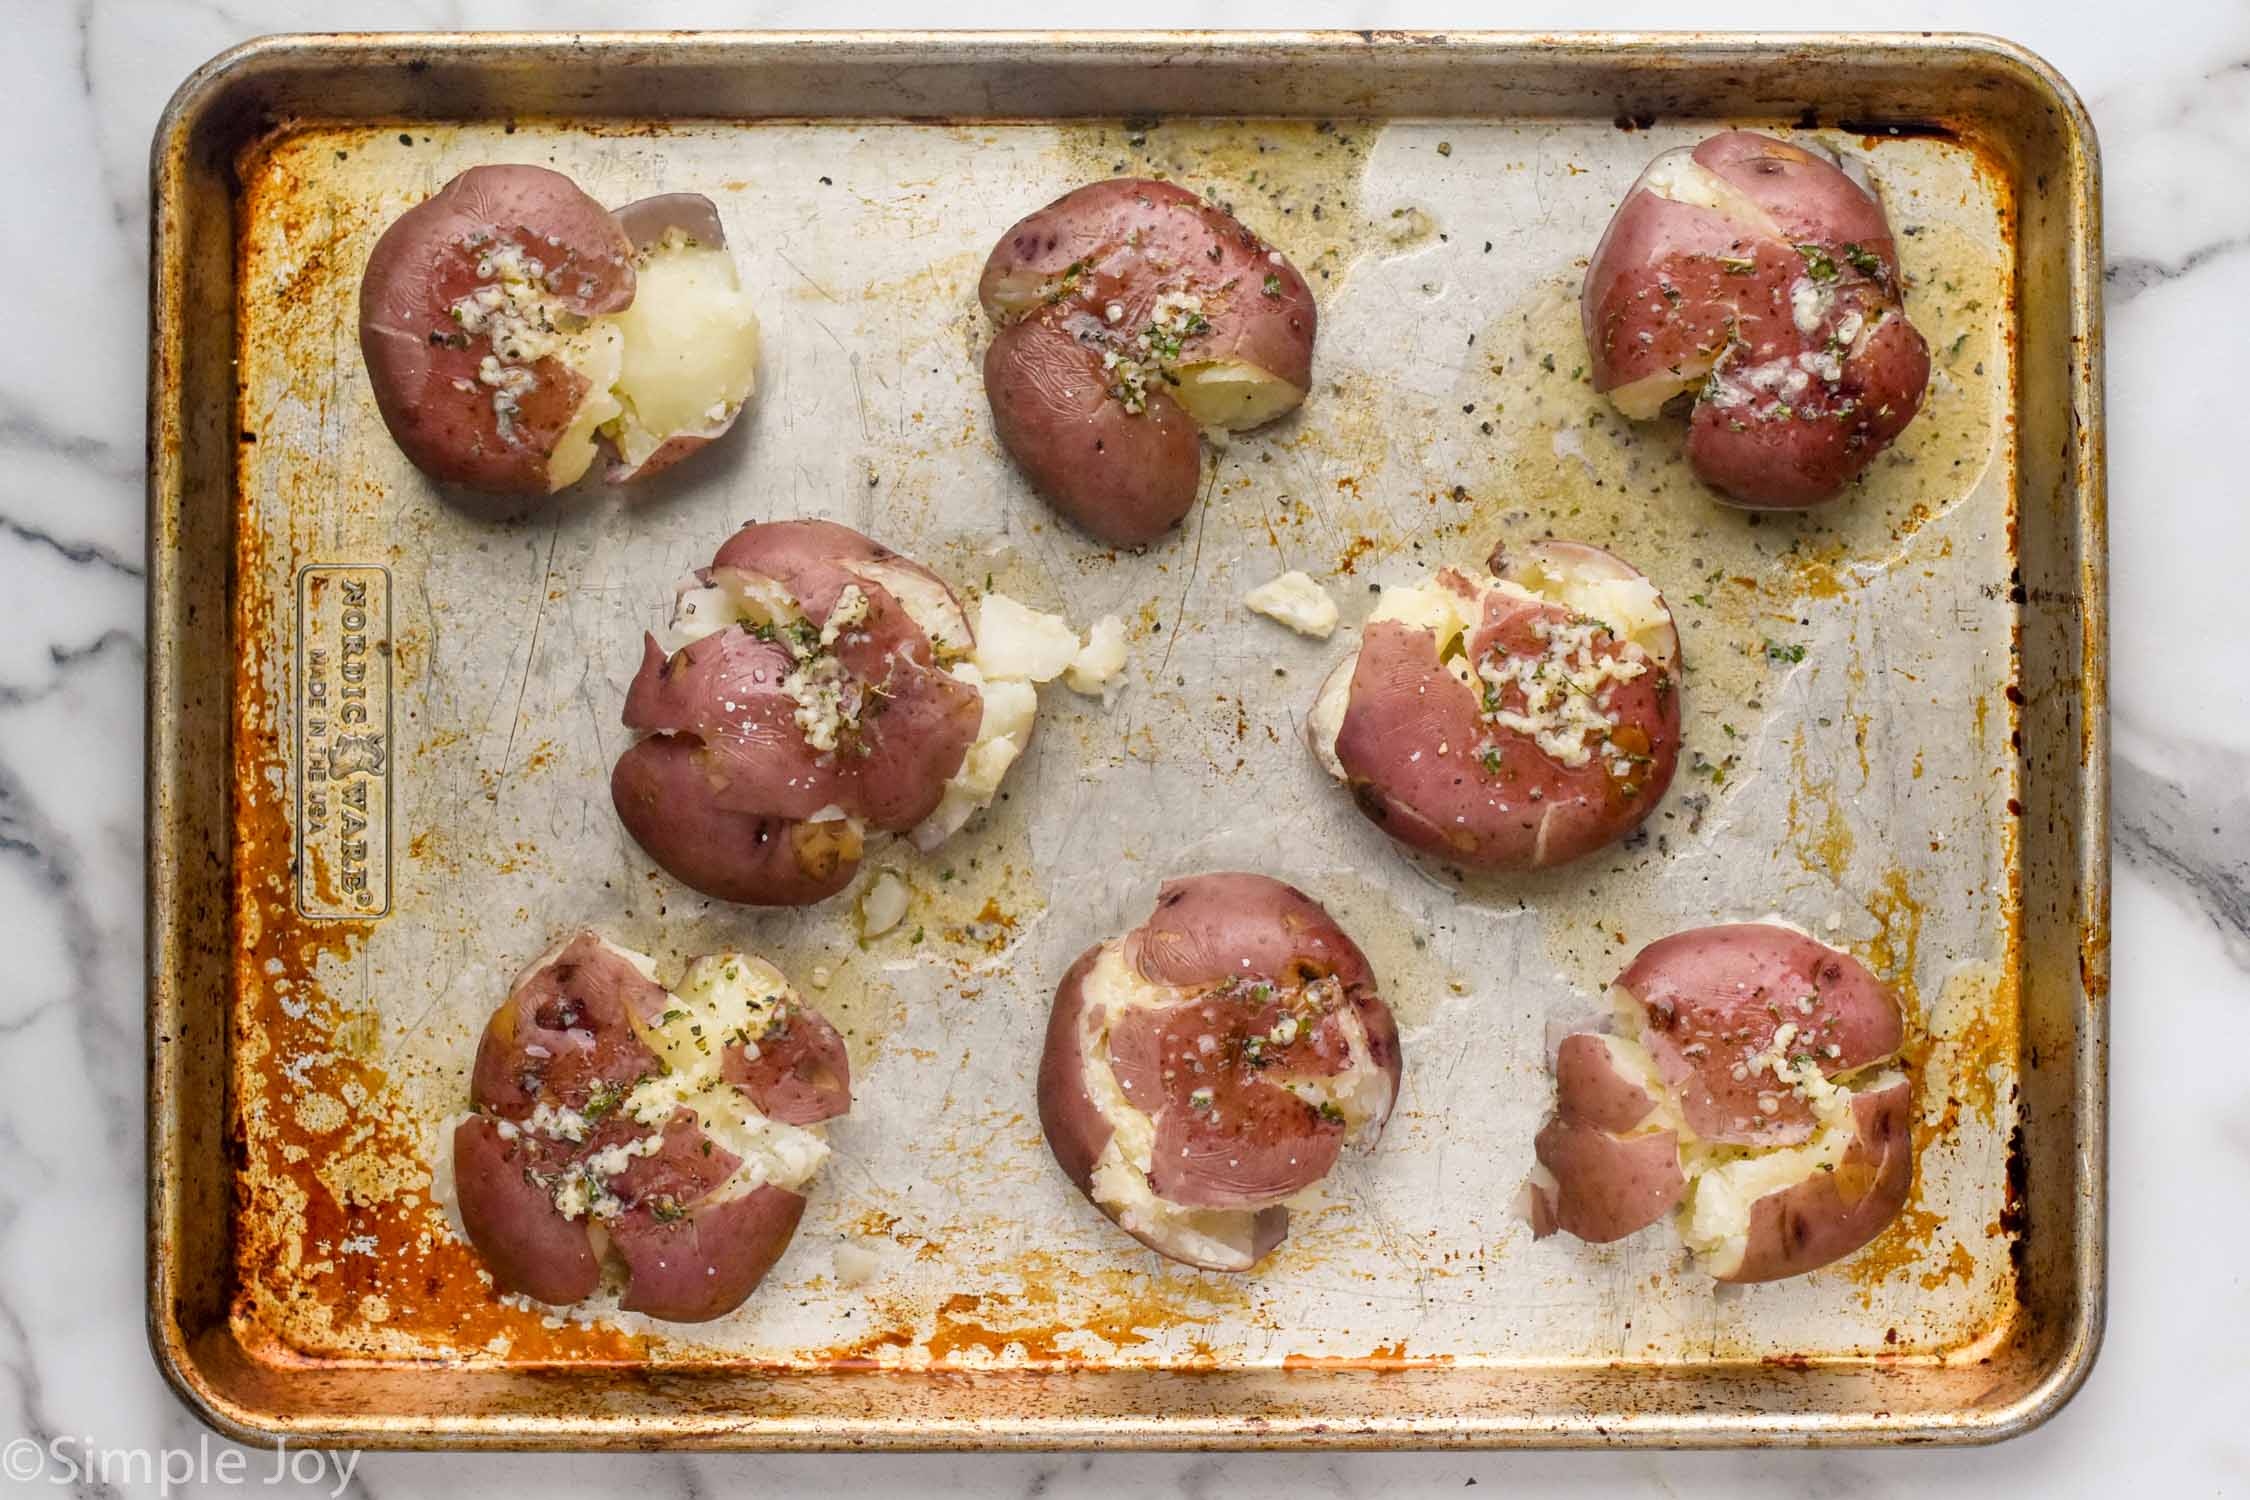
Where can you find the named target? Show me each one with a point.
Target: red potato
(815, 710)
(1132, 313)
(511, 325)
(1602, 1176)
(612, 1115)
(1509, 722)
(1715, 997)
(1764, 278)
(1747, 1089)
(1208, 1066)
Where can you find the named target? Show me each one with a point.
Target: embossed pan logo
(343, 740)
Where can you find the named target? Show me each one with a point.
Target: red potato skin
(1709, 990)
(665, 801)
(1831, 1214)
(1605, 1184)
(1255, 1142)
(1126, 478)
(1122, 478)
(527, 1244)
(1673, 286)
(1136, 238)
(1077, 1132)
(1590, 1091)
(722, 790)
(566, 1027)
(1405, 707)
(1835, 432)
(566, 1030)
(805, 1080)
(423, 264)
(705, 1265)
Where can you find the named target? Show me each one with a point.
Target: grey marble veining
(2162, 1414)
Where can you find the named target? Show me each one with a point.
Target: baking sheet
(1852, 759)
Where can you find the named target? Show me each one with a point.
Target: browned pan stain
(337, 1250)
(1049, 1323)
(1817, 826)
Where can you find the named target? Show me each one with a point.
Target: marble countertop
(2170, 93)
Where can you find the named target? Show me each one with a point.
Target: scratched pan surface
(383, 722)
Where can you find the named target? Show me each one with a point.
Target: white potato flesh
(1644, 399)
(1431, 606)
(882, 906)
(1010, 709)
(1326, 722)
(1447, 606)
(1099, 661)
(723, 995)
(1361, 1091)
(1296, 601)
(597, 354)
(856, 1264)
(1678, 177)
(1623, 600)
(690, 343)
(1232, 395)
(1019, 293)
(1015, 641)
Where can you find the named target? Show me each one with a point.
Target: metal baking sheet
(382, 724)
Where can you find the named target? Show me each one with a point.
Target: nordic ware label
(343, 741)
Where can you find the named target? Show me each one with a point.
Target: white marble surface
(2164, 1410)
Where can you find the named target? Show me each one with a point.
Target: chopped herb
(1736, 265)
(1863, 260)
(1328, 1110)
(1547, 363)
(1789, 652)
(1818, 264)
(1272, 285)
